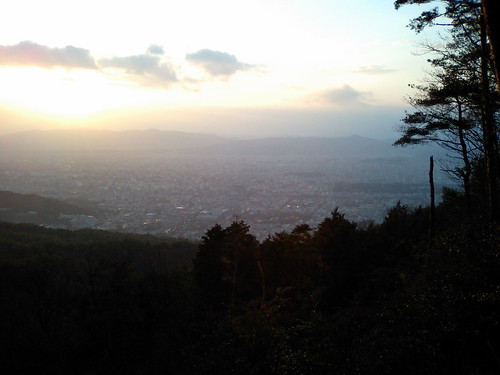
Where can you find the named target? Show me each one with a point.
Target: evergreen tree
(458, 107)
(225, 267)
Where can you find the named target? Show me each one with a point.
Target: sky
(229, 67)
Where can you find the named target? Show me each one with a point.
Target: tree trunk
(263, 282)
(489, 129)
(235, 274)
(465, 159)
(491, 11)
(433, 198)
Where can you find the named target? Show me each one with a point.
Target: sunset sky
(229, 67)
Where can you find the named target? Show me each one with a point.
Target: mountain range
(84, 140)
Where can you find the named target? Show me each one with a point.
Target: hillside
(32, 208)
(23, 241)
(334, 299)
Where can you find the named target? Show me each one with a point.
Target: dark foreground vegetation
(341, 298)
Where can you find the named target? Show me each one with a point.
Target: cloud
(216, 63)
(156, 50)
(32, 54)
(342, 96)
(374, 69)
(147, 68)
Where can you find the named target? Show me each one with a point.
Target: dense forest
(339, 298)
(418, 293)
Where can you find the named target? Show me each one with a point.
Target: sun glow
(64, 93)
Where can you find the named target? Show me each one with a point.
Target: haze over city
(238, 68)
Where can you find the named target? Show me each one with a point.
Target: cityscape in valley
(163, 186)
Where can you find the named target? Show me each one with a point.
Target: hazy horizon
(244, 123)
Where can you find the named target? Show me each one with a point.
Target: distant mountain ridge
(200, 144)
(352, 146)
(90, 140)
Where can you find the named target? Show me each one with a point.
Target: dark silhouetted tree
(340, 248)
(226, 266)
(457, 108)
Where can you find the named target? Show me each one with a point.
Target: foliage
(339, 298)
(72, 302)
(457, 107)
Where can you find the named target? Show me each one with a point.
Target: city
(181, 195)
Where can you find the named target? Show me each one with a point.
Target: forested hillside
(338, 298)
(32, 208)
